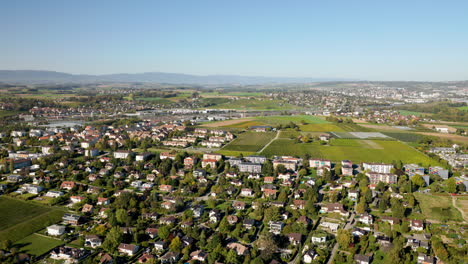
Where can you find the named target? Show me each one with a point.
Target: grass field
(235, 153)
(37, 245)
(464, 108)
(254, 104)
(352, 149)
(321, 128)
(277, 120)
(438, 208)
(407, 113)
(246, 124)
(231, 94)
(19, 219)
(6, 113)
(295, 134)
(250, 141)
(156, 100)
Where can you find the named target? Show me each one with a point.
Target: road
(454, 202)
(349, 224)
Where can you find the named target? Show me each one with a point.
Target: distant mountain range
(33, 76)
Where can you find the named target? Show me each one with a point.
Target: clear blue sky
(374, 40)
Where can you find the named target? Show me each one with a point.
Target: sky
(367, 40)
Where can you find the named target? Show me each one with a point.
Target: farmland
(254, 104)
(437, 207)
(405, 137)
(282, 120)
(352, 149)
(250, 141)
(19, 219)
(37, 245)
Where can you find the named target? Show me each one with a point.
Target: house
(366, 219)
(347, 170)
(288, 164)
(275, 227)
(87, 208)
(417, 225)
(325, 137)
(443, 173)
(170, 257)
(168, 220)
(199, 173)
(353, 195)
(216, 157)
(56, 230)
(160, 245)
(233, 162)
(248, 223)
(238, 205)
(71, 219)
(53, 194)
(250, 167)
(143, 156)
(209, 162)
(103, 201)
(122, 154)
(319, 238)
(390, 220)
(145, 258)
(309, 256)
(14, 178)
(67, 185)
(377, 167)
(68, 254)
(197, 211)
(359, 232)
(295, 238)
(268, 180)
(165, 188)
(317, 163)
(334, 208)
(167, 155)
(331, 226)
(298, 204)
(232, 219)
(91, 152)
(246, 192)
(376, 177)
(269, 193)
(93, 241)
(424, 259)
(413, 169)
(240, 249)
(260, 128)
(128, 249)
(199, 255)
(77, 199)
(189, 162)
(256, 159)
(214, 216)
(303, 220)
(362, 259)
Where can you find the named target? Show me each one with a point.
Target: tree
(451, 185)
(164, 232)
(361, 207)
(397, 209)
(418, 180)
(176, 244)
(122, 216)
(267, 168)
(231, 257)
(267, 245)
(343, 238)
(113, 239)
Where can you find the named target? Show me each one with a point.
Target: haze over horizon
(365, 40)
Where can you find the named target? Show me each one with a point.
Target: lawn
(37, 245)
(19, 219)
(405, 137)
(250, 141)
(438, 207)
(352, 149)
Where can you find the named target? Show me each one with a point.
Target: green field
(321, 128)
(295, 134)
(405, 137)
(156, 100)
(352, 149)
(246, 124)
(250, 141)
(254, 104)
(437, 207)
(19, 219)
(37, 245)
(277, 120)
(464, 108)
(233, 94)
(407, 113)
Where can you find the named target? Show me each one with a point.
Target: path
(454, 199)
(349, 224)
(276, 137)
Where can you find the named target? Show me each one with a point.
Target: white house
(322, 238)
(56, 230)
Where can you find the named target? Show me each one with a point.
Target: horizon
(417, 41)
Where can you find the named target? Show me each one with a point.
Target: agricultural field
(321, 128)
(282, 120)
(464, 108)
(438, 208)
(231, 94)
(245, 124)
(7, 113)
(37, 245)
(405, 137)
(453, 137)
(360, 135)
(295, 134)
(254, 104)
(156, 100)
(407, 113)
(250, 141)
(19, 219)
(352, 149)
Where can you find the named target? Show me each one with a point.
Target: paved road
(350, 223)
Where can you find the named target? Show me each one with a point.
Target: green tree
(451, 185)
(344, 238)
(164, 232)
(176, 244)
(231, 257)
(113, 239)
